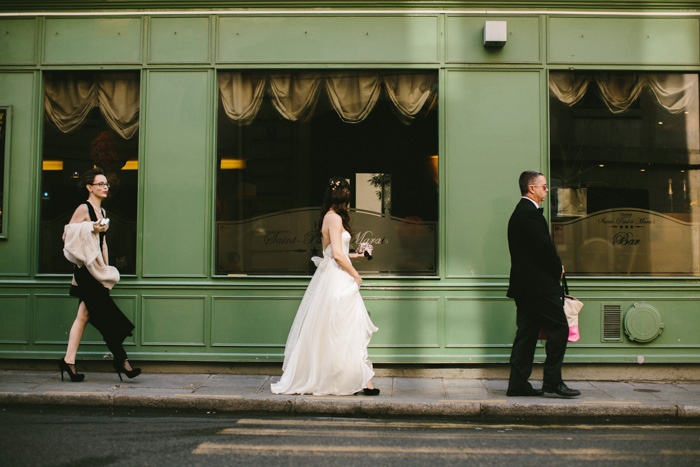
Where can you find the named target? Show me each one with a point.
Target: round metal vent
(643, 323)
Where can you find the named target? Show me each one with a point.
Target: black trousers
(533, 313)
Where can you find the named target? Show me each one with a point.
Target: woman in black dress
(85, 246)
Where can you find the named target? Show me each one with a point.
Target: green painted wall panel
(54, 316)
(464, 40)
(177, 161)
(14, 316)
(92, 40)
(405, 322)
(328, 39)
(662, 41)
(493, 126)
(17, 250)
(169, 320)
(18, 41)
(492, 120)
(179, 40)
(417, 326)
(252, 321)
(479, 322)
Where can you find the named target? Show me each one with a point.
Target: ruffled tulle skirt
(326, 351)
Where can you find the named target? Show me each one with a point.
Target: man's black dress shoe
(530, 392)
(560, 390)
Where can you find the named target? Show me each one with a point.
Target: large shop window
(625, 172)
(91, 120)
(282, 135)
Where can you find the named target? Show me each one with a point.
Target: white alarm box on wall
(495, 33)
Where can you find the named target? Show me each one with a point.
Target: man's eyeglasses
(101, 184)
(543, 186)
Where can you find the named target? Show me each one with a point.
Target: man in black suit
(535, 273)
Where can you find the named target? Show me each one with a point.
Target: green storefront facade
(493, 108)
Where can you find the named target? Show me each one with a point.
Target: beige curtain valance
(674, 91)
(352, 95)
(294, 99)
(69, 99)
(241, 97)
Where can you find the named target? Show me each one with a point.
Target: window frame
(6, 151)
(557, 227)
(44, 267)
(418, 274)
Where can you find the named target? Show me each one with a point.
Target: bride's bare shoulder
(331, 221)
(331, 216)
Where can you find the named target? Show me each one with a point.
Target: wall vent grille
(612, 323)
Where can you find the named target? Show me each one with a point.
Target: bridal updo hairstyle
(337, 198)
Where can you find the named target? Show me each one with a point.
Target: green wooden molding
(175, 5)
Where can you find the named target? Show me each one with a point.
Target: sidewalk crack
(197, 386)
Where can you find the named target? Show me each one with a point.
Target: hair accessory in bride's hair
(335, 184)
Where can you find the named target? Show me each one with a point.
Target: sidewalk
(478, 399)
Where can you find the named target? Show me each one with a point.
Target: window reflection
(98, 128)
(625, 160)
(281, 136)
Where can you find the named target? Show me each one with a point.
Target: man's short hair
(527, 178)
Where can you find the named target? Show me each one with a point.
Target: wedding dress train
(326, 351)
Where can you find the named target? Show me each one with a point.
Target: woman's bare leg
(76, 334)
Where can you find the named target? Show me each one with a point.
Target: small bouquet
(366, 249)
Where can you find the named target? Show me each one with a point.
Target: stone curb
(587, 411)
(689, 412)
(361, 406)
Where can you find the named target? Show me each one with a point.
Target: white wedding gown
(326, 351)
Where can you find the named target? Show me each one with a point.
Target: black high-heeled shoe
(74, 377)
(119, 368)
(368, 392)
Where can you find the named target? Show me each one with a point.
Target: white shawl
(81, 246)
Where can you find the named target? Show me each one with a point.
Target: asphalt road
(35, 436)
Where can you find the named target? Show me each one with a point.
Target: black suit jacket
(535, 267)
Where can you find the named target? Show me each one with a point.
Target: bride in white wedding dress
(326, 351)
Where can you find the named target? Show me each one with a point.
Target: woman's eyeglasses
(101, 184)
